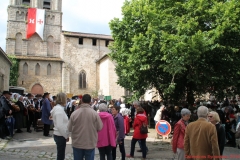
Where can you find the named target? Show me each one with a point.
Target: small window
(80, 40)
(47, 4)
(37, 69)
(49, 69)
(94, 42)
(25, 69)
(106, 43)
(27, 2)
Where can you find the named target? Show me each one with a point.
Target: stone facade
(80, 53)
(108, 78)
(36, 51)
(71, 62)
(5, 65)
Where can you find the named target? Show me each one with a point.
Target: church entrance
(37, 89)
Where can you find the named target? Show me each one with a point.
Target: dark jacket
(221, 137)
(46, 108)
(6, 106)
(19, 116)
(119, 123)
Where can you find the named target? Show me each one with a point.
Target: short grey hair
(185, 111)
(136, 103)
(202, 112)
(102, 107)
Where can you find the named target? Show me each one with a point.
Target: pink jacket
(107, 136)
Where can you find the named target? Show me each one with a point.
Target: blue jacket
(46, 108)
(119, 123)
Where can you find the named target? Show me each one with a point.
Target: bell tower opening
(47, 4)
(26, 2)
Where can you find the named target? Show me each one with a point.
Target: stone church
(63, 61)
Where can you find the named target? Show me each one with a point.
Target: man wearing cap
(5, 109)
(46, 108)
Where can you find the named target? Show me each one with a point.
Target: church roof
(87, 35)
(100, 59)
(38, 58)
(5, 56)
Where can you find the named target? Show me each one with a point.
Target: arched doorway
(37, 89)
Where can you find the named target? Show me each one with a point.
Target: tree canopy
(13, 71)
(183, 48)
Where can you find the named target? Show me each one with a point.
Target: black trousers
(3, 129)
(46, 129)
(122, 150)
(30, 120)
(105, 151)
(143, 147)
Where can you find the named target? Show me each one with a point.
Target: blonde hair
(215, 116)
(61, 99)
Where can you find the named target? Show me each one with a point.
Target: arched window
(34, 45)
(37, 69)
(25, 69)
(49, 69)
(82, 80)
(50, 46)
(18, 44)
(20, 16)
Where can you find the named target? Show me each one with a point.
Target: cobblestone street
(35, 146)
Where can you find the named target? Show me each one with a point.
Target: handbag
(143, 129)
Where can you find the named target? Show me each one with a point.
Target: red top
(139, 120)
(178, 136)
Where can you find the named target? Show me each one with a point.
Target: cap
(38, 95)
(29, 94)
(46, 93)
(6, 92)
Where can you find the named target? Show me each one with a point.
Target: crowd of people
(97, 123)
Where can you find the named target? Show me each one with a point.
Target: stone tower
(40, 64)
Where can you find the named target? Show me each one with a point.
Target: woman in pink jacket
(178, 134)
(107, 136)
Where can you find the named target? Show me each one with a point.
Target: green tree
(13, 70)
(182, 48)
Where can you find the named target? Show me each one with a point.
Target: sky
(89, 16)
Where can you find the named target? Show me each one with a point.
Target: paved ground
(34, 146)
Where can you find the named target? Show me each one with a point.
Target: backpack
(143, 129)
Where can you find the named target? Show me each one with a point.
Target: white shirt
(60, 121)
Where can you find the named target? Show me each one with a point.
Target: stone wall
(108, 79)
(77, 58)
(51, 83)
(4, 72)
(17, 23)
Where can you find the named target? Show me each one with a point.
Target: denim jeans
(143, 146)
(79, 154)
(122, 150)
(105, 151)
(61, 146)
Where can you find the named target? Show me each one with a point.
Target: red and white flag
(36, 19)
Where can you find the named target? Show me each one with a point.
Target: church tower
(40, 64)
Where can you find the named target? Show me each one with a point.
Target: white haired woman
(213, 117)
(106, 136)
(60, 119)
(178, 134)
